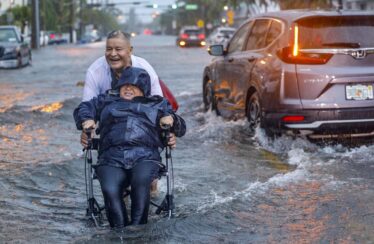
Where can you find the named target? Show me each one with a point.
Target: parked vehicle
(191, 36)
(55, 38)
(298, 72)
(90, 37)
(221, 35)
(14, 52)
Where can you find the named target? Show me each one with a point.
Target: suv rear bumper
(357, 122)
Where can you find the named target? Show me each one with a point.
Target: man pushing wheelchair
(130, 128)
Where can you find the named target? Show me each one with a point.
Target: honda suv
(299, 72)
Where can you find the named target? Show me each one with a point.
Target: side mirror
(216, 50)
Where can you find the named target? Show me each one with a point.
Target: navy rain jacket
(129, 130)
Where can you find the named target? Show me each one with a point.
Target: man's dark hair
(119, 33)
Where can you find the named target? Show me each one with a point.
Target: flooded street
(231, 186)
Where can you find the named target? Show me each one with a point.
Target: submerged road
(231, 186)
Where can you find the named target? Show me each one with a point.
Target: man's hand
(84, 139)
(172, 142)
(87, 126)
(166, 121)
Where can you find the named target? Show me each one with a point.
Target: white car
(221, 35)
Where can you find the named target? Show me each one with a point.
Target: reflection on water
(49, 108)
(9, 96)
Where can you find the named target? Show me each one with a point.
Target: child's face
(128, 92)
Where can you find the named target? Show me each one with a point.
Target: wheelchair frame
(94, 210)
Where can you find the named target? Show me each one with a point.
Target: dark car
(191, 36)
(14, 52)
(299, 72)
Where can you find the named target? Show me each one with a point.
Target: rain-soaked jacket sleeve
(179, 125)
(88, 110)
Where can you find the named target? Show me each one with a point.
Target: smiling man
(105, 71)
(103, 74)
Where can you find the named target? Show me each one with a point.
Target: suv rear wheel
(253, 111)
(208, 95)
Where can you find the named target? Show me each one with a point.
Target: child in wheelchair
(130, 128)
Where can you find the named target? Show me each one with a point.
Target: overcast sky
(144, 14)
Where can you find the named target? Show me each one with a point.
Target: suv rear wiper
(342, 44)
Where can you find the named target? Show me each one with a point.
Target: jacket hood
(137, 77)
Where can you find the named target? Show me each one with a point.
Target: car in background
(221, 35)
(14, 51)
(191, 36)
(297, 72)
(55, 38)
(90, 37)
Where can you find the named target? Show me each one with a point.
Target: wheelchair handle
(89, 138)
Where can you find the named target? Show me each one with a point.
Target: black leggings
(114, 182)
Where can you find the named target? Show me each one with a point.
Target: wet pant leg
(113, 183)
(142, 175)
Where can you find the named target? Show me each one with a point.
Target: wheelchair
(94, 211)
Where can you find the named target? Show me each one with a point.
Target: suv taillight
(184, 36)
(286, 54)
(294, 55)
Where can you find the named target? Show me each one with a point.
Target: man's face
(118, 53)
(128, 92)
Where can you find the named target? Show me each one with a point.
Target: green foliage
(102, 20)
(303, 4)
(61, 15)
(55, 15)
(21, 15)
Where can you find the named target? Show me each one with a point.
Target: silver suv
(300, 72)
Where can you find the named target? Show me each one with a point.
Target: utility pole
(71, 20)
(80, 19)
(340, 4)
(35, 40)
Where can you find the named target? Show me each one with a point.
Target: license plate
(359, 92)
(193, 37)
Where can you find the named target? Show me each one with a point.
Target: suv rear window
(336, 32)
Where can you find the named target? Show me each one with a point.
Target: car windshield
(336, 32)
(7, 35)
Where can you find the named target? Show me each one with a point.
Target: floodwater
(231, 186)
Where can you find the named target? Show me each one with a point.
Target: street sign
(200, 23)
(191, 7)
(230, 17)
